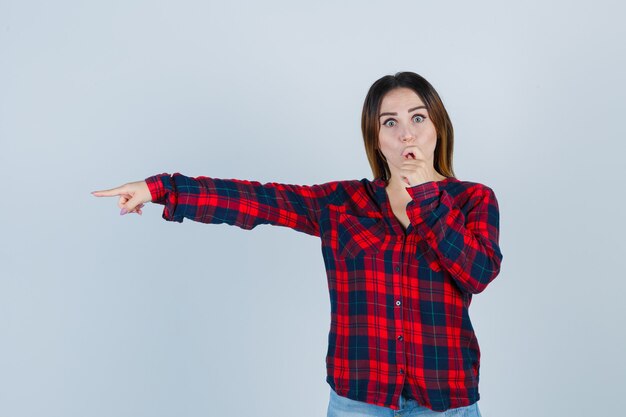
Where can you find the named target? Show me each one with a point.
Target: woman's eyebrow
(408, 111)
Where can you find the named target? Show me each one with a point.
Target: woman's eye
(389, 121)
(420, 116)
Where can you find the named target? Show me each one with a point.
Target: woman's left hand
(415, 169)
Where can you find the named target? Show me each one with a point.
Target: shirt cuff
(158, 185)
(424, 191)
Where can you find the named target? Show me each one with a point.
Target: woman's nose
(406, 132)
(407, 136)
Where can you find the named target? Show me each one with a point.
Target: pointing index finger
(108, 193)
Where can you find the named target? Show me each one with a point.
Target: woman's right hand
(132, 196)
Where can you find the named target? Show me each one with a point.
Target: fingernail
(123, 211)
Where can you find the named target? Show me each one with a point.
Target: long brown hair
(370, 124)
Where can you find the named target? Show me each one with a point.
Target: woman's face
(404, 121)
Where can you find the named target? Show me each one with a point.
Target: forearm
(465, 241)
(241, 203)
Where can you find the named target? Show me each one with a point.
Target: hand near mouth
(415, 168)
(412, 151)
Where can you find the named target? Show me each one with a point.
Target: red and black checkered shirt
(399, 298)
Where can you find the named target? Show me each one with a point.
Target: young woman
(404, 253)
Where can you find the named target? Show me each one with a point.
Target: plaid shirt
(399, 298)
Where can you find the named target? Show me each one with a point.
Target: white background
(108, 315)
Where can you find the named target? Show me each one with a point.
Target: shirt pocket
(358, 235)
(426, 256)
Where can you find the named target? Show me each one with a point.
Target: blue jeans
(339, 406)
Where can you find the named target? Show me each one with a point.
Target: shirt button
(398, 302)
(397, 268)
(400, 337)
(401, 370)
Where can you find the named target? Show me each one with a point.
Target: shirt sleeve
(466, 242)
(241, 203)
